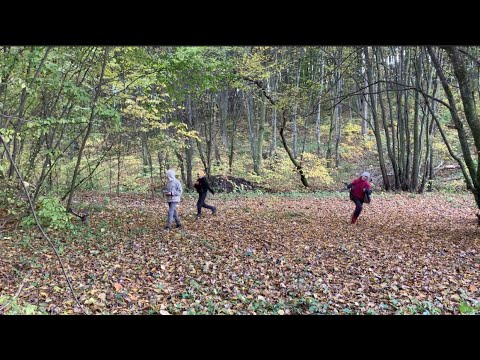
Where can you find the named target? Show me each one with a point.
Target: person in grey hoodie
(173, 192)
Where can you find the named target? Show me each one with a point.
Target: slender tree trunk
(416, 125)
(365, 109)
(273, 144)
(89, 130)
(471, 175)
(21, 109)
(394, 142)
(378, 137)
(391, 154)
(237, 101)
(189, 149)
(252, 127)
(297, 84)
(119, 159)
(297, 165)
(261, 131)
(467, 94)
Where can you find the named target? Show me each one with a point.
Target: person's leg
(213, 208)
(200, 202)
(175, 215)
(358, 210)
(171, 211)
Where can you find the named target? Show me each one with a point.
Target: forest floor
(261, 254)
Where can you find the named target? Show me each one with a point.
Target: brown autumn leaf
(117, 286)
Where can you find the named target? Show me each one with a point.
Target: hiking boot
(167, 228)
(199, 216)
(214, 211)
(179, 226)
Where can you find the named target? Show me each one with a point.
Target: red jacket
(358, 186)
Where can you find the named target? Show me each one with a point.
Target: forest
(277, 134)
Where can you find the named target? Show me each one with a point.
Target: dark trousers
(201, 203)
(358, 206)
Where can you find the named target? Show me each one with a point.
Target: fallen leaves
(280, 256)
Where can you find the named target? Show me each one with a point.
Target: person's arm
(368, 189)
(165, 192)
(177, 189)
(209, 188)
(352, 184)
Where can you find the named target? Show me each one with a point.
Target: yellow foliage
(315, 168)
(439, 148)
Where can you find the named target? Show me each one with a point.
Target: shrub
(51, 213)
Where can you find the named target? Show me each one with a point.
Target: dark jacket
(202, 186)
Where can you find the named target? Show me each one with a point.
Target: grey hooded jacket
(173, 189)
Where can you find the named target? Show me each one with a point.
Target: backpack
(349, 186)
(366, 198)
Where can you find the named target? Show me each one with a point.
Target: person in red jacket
(360, 191)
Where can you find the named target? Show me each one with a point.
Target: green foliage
(16, 308)
(10, 199)
(469, 309)
(51, 213)
(421, 308)
(7, 134)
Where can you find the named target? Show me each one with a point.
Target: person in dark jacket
(203, 187)
(360, 192)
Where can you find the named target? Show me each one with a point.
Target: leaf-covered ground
(267, 254)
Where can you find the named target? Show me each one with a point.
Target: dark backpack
(350, 186)
(351, 194)
(366, 199)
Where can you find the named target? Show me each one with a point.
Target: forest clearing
(261, 254)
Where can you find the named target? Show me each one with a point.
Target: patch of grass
(420, 308)
(469, 309)
(21, 308)
(25, 242)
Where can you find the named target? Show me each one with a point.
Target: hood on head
(366, 174)
(171, 175)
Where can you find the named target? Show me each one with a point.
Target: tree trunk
(391, 154)
(416, 125)
(471, 175)
(89, 130)
(261, 131)
(467, 94)
(378, 137)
